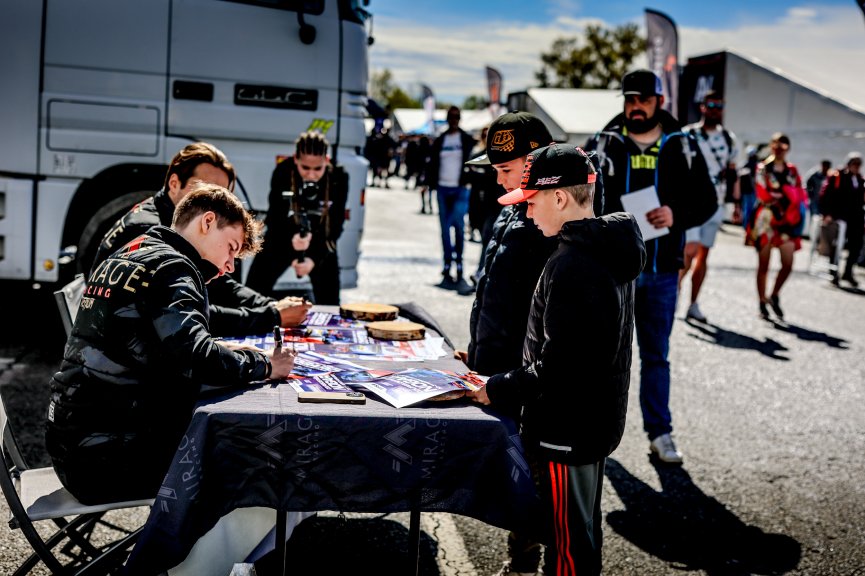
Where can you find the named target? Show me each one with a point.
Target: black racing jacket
(325, 214)
(573, 385)
(680, 177)
(235, 309)
(139, 351)
(514, 258)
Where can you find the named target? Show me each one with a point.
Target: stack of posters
(328, 344)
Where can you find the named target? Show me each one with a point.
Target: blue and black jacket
(677, 170)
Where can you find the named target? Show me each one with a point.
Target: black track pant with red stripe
(573, 498)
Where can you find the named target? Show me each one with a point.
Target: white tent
(414, 120)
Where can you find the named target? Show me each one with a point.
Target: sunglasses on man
(715, 105)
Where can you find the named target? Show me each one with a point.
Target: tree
(474, 102)
(599, 60)
(385, 91)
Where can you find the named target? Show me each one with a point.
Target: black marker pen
(277, 338)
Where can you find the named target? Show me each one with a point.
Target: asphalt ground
(769, 415)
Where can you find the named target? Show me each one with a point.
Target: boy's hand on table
(292, 310)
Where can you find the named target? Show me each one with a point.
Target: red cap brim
(516, 196)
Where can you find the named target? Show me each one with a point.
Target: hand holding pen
(282, 359)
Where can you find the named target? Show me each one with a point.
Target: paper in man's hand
(640, 203)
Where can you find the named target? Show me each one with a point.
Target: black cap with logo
(555, 166)
(642, 82)
(513, 135)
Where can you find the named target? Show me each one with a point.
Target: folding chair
(68, 299)
(36, 494)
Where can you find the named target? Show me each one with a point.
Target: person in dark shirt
(644, 148)
(305, 216)
(235, 309)
(141, 348)
(843, 198)
(572, 388)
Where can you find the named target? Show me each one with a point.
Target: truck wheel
(100, 223)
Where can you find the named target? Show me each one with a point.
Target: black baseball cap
(643, 82)
(513, 135)
(554, 166)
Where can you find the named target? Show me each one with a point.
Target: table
(261, 447)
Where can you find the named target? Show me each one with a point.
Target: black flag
(664, 56)
(494, 85)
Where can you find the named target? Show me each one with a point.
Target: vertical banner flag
(663, 42)
(494, 83)
(428, 100)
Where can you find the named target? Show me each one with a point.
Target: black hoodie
(681, 179)
(573, 386)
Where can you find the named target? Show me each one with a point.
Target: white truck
(96, 97)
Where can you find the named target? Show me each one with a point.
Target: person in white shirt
(718, 146)
(448, 176)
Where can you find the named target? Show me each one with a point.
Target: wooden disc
(368, 311)
(390, 330)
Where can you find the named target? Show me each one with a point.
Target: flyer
(415, 385)
(312, 364)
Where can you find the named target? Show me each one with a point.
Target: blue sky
(447, 43)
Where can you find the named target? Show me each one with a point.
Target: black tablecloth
(260, 447)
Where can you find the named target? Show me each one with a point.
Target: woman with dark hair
(305, 216)
(776, 220)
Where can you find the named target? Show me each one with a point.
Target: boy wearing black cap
(515, 254)
(572, 389)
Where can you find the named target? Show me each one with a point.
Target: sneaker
(764, 310)
(849, 278)
(506, 571)
(695, 314)
(666, 450)
(836, 281)
(776, 306)
(464, 288)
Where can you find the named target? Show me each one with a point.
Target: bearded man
(644, 147)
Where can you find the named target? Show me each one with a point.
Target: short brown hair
(584, 194)
(229, 211)
(184, 162)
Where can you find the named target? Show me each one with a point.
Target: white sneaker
(666, 450)
(694, 313)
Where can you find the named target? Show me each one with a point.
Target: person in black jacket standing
(843, 198)
(447, 175)
(305, 216)
(644, 147)
(141, 348)
(573, 386)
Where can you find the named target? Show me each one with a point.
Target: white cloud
(823, 46)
